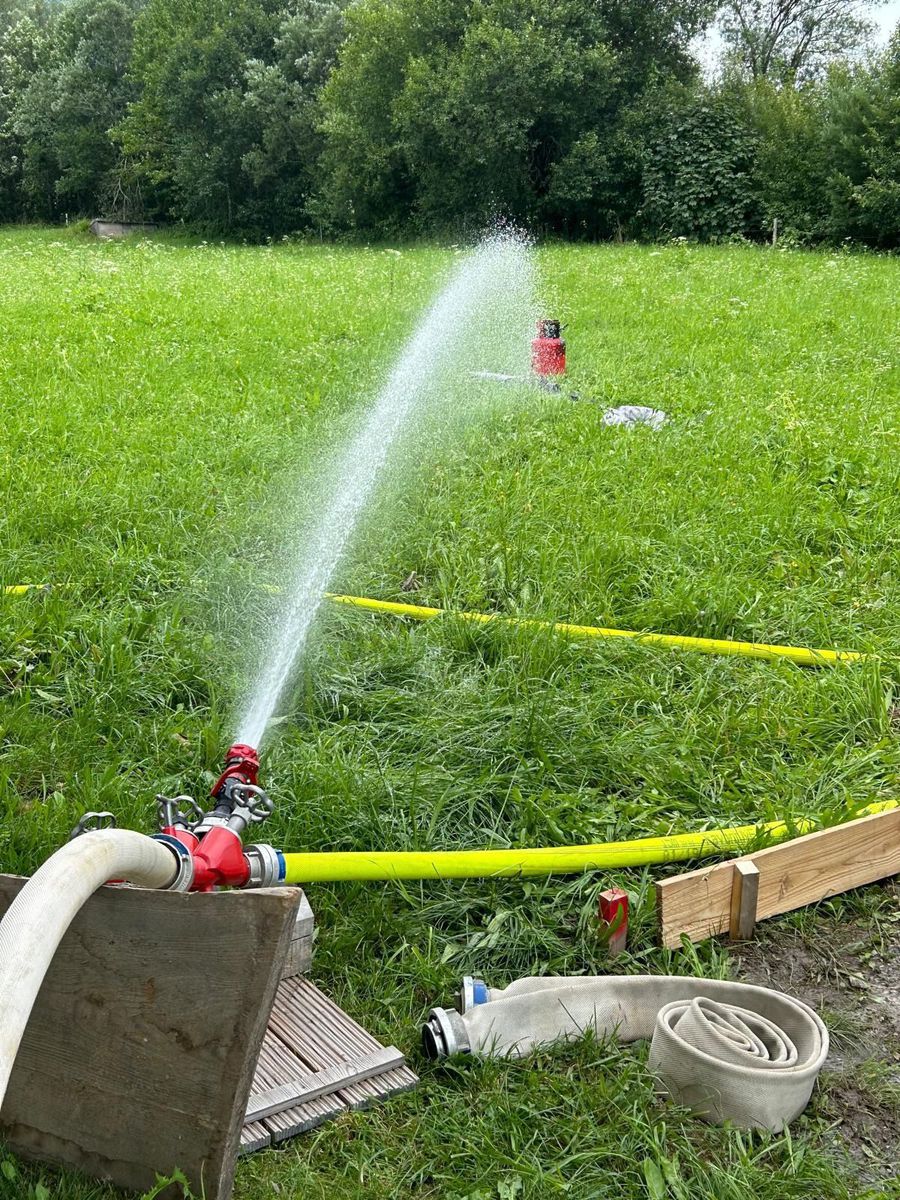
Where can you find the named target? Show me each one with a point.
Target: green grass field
(161, 400)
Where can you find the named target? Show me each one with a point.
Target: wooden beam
(744, 899)
(796, 873)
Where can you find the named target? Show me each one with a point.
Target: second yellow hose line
(801, 655)
(333, 866)
(796, 654)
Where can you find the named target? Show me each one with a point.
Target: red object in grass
(613, 914)
(548, 350)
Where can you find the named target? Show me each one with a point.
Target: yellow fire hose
(801, 655)
(332, 866)
(797, 654)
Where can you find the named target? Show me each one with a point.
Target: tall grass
(160, 401)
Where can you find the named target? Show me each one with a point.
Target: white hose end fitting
(444, 1033)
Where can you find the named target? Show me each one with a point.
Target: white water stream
(485, 311)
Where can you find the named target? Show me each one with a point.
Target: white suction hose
(729, 1051)
(39, 916)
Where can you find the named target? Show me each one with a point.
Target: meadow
(162, 399)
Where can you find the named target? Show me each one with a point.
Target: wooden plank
(139, 1054)
(791, 875)
(298, 959)
(744, 899)
(254, 1136)
(322, 1083)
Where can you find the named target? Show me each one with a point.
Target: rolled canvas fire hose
(728, 1051)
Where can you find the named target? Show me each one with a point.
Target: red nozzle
(241, 762)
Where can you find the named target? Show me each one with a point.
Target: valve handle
(254, 801)
(91, 821)
(179, 810)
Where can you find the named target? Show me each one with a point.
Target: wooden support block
(139, 1054)
(613, 914)
(164, 1018)
(791, 875)
(744, 898)
(298, 959)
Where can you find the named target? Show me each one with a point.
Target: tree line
(587, 118)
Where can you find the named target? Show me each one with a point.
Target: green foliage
(23, 48)
(261, 118)
(458, 110)
(792, 41)
(72, 99)
(863, 134)
(224, 126)
(698, 167)
(791, 168)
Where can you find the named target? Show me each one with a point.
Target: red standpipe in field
(548, 350)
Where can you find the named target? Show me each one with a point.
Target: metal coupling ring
(266, 865)
(184, 876)
(444, 1033)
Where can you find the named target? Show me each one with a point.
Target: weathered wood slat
(330, 1079)
(311, 1036)
(276, 1065)
(796, 873)
(254, 1136)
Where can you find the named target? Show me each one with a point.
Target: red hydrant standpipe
(548, 350)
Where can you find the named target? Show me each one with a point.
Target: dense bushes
(584, 117)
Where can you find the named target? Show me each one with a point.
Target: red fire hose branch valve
(214, 839)
(548, 349)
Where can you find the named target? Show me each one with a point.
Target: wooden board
(744, 898)
(140, 1052)
(298, 959)
(791, 875)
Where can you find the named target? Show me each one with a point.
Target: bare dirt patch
(849, 971)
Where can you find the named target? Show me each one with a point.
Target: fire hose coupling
(444, 1034)
(184, 875)
(266, 865)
